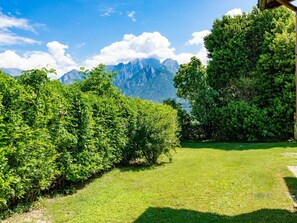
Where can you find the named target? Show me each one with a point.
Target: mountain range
(13, 72)
(144, 78)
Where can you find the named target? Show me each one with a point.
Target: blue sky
(68, 34)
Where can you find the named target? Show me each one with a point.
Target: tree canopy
(251, 70)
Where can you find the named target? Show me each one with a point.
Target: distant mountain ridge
(71, 76)
(147, 79)
(144, 78)
(13, 72)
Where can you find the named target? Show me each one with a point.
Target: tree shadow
(238, 146)
(141, 166)
(292, 187)
(168, 215)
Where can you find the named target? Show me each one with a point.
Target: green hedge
(51, 133)
(240, 121)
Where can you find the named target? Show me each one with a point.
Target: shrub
(241, 121)
(51, 134)
(156, 131)
(27, 154)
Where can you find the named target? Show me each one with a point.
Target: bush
(241, 121)
(156, 131)
(51, 134)
(27, 155)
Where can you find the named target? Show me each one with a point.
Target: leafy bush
(156, 131)
(51, 134)
(241, 121)
(27, 154)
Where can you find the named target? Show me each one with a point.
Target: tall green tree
(251, 69)
(192, 85)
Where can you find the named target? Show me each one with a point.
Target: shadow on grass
(237, 146)
(164, 215)
(292, 186)
(169, 215)
(138, 167)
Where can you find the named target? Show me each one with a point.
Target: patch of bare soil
(34, 216)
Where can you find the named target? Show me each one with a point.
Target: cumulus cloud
(9, 38)
(202, 55)
(198, 38)
(55, 58)
(131, 15)
(185, 57)
(57, 50)
(132, 47)
(147, 45)
(234, 12)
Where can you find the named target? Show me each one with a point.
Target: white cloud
(11, 22)
(132, 47)
(198, 38)
(57, 50)
(146, 45)
(9, 38)
(29, 60)
(131, 15)
(55, 58)
(185, 57)
(234, 12)
(202, 55)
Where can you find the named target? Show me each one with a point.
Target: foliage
(156, 131)
(190, 79)
(251, 66)
(189, 128)
(98, 81)
(51, 134)
(191, 84)
(27, 154)
(241, 121)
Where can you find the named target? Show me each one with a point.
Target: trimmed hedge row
(51, 133)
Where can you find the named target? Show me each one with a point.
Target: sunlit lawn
(206, 182)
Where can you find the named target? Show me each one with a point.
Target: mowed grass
(206, 182)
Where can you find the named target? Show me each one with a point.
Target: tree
(99, 81)
(190, 79)
(275, 74)
(251, 69)
(191, 84)
(252, 60)
(227, 50)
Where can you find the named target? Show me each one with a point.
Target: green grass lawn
(206, 182)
